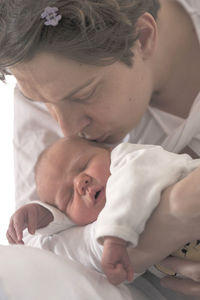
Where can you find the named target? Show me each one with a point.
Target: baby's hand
(115, 261)
(32, 216)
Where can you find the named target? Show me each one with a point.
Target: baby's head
(71, 175)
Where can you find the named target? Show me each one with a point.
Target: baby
(118, 187)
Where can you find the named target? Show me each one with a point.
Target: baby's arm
(133, 191)
(50, 221)
(31, 216)
(116, 263)
(139, 175)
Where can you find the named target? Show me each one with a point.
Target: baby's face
(80, 173)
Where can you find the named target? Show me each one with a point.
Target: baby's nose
(82, 183)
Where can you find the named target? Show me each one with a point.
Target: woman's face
(99, 103)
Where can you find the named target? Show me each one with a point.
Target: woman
(113, 70)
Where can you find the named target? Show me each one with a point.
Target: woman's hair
(97, 32)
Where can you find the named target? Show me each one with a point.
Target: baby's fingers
(128, 268)
(18, 227)
(116, 275)
(9, 238)
(11, 234)
(130, 273)
(32, 221)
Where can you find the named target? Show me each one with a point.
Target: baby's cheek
(62, 206)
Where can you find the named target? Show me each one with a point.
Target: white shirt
(172, 132)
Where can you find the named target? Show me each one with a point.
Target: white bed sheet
(28, 274)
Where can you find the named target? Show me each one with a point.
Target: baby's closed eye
(63, 203)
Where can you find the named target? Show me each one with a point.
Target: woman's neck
(178, 61)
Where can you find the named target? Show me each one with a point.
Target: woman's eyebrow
(77, 89)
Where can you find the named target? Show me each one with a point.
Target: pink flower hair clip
(51, 15)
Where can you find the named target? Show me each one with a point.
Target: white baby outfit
(139, 174)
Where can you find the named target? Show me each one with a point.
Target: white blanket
(32, 274)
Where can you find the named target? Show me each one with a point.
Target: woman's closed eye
(86, 96)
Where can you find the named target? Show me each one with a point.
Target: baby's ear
(147, 34)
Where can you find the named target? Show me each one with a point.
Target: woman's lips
(99, 139)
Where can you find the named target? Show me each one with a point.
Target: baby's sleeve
(139, 174)
(60, 220)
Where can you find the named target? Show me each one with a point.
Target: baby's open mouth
(97, 194)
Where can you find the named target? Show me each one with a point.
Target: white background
(6, 156)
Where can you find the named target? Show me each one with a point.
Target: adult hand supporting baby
(116, 263)
(185, 205)
(189, 269)
(31, 216)
(178, 217)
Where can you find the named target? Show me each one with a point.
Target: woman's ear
(147, 34)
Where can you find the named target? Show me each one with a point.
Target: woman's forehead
(53, 76)
(53, 65)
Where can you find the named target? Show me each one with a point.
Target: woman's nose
(82, 182)
(72, 122)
